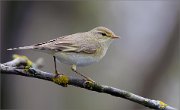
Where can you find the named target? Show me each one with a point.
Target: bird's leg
(73, 67)
(56, 72)
(61, 79)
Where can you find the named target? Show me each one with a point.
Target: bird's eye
(104, 34)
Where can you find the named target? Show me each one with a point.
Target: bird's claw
(57, 73)
(89, 83)
(90, 80)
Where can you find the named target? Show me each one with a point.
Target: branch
(21, 65)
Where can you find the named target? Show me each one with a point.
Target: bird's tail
(22, 48)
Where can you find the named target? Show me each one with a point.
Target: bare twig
(15, 67)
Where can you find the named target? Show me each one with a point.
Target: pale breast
(81, 59)
(76, 58)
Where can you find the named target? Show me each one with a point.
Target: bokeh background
(144, 61)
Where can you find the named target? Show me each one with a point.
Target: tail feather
(22, 48)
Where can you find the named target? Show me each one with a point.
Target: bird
(79, 49)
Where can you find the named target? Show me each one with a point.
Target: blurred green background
(144, 61)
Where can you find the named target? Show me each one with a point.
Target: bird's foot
(89, 80)
(89, 83)
(57, 73)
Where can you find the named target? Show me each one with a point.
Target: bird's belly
(76, 58)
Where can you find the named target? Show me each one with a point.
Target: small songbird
(79, 49)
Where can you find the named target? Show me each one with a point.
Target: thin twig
(12, 67)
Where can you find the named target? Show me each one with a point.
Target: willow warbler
(79, 49)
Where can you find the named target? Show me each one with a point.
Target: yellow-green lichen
(29, 62)
(162, 105)
(61, 79)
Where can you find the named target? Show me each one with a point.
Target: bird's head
(104, 34)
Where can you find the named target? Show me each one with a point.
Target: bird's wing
(70, 44)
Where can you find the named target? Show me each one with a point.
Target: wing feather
(71, 44)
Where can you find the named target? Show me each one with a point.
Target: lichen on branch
(21, 65)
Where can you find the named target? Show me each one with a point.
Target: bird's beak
(115, 37)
